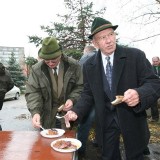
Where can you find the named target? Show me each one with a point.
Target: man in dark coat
(6, 84)
(154, 106)
(130, 75)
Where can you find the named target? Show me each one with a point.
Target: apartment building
(5, 54)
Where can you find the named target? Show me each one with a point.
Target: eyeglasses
(52, 60)
(108, 36)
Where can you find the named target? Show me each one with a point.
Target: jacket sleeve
(78, 87)
(86, 101)
(33, 94)
(149, 90)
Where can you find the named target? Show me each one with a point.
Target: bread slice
(117, 100)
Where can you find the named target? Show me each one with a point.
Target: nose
(51, 62)
(107, 39)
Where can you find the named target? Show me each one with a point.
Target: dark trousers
(110, 150)
(154, 111)
(111, 142)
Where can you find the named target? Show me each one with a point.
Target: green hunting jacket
(39, 89)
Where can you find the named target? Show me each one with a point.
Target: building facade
(5, 54)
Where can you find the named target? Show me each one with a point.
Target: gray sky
(20, 18)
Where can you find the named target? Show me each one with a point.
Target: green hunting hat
(100, 24)
(50, 49)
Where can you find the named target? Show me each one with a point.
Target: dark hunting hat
(50, 49)
(100, 24)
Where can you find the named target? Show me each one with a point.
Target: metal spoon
(59, 117)
(42, 127)
(66, 121)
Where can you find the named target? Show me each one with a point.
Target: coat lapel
(118, 65)
(95, 71)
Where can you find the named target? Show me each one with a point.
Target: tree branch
(146, 38)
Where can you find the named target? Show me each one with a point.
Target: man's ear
(95, 44)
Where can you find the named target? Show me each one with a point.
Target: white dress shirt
(104, 61)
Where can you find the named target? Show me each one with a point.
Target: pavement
(15, 116)
(92, 152)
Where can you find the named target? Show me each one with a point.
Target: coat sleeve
(149, 84)
(33, 94)
(86, 101)
(78, 87)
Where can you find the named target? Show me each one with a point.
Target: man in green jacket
(55, 80)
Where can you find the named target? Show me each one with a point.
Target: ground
(92, 152)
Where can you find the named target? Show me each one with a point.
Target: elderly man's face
(155, 61)
(52, 63)
(105, 41)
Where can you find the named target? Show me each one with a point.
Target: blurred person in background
(156, 65)
(85, 126)
(87, 53)
(154, 106)
(6, 84)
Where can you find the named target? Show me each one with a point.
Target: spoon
(66, 121)
(42, 127)
(59, 117)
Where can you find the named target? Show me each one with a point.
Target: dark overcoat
(131, 70)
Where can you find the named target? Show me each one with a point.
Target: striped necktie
(109, 71)
(55, 74)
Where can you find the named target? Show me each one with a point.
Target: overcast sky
(20, 18)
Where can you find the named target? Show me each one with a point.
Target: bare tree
(146, 15)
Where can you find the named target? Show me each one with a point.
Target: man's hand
(71, 116)
(68, 105)
(131, 97)
(36, 121)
